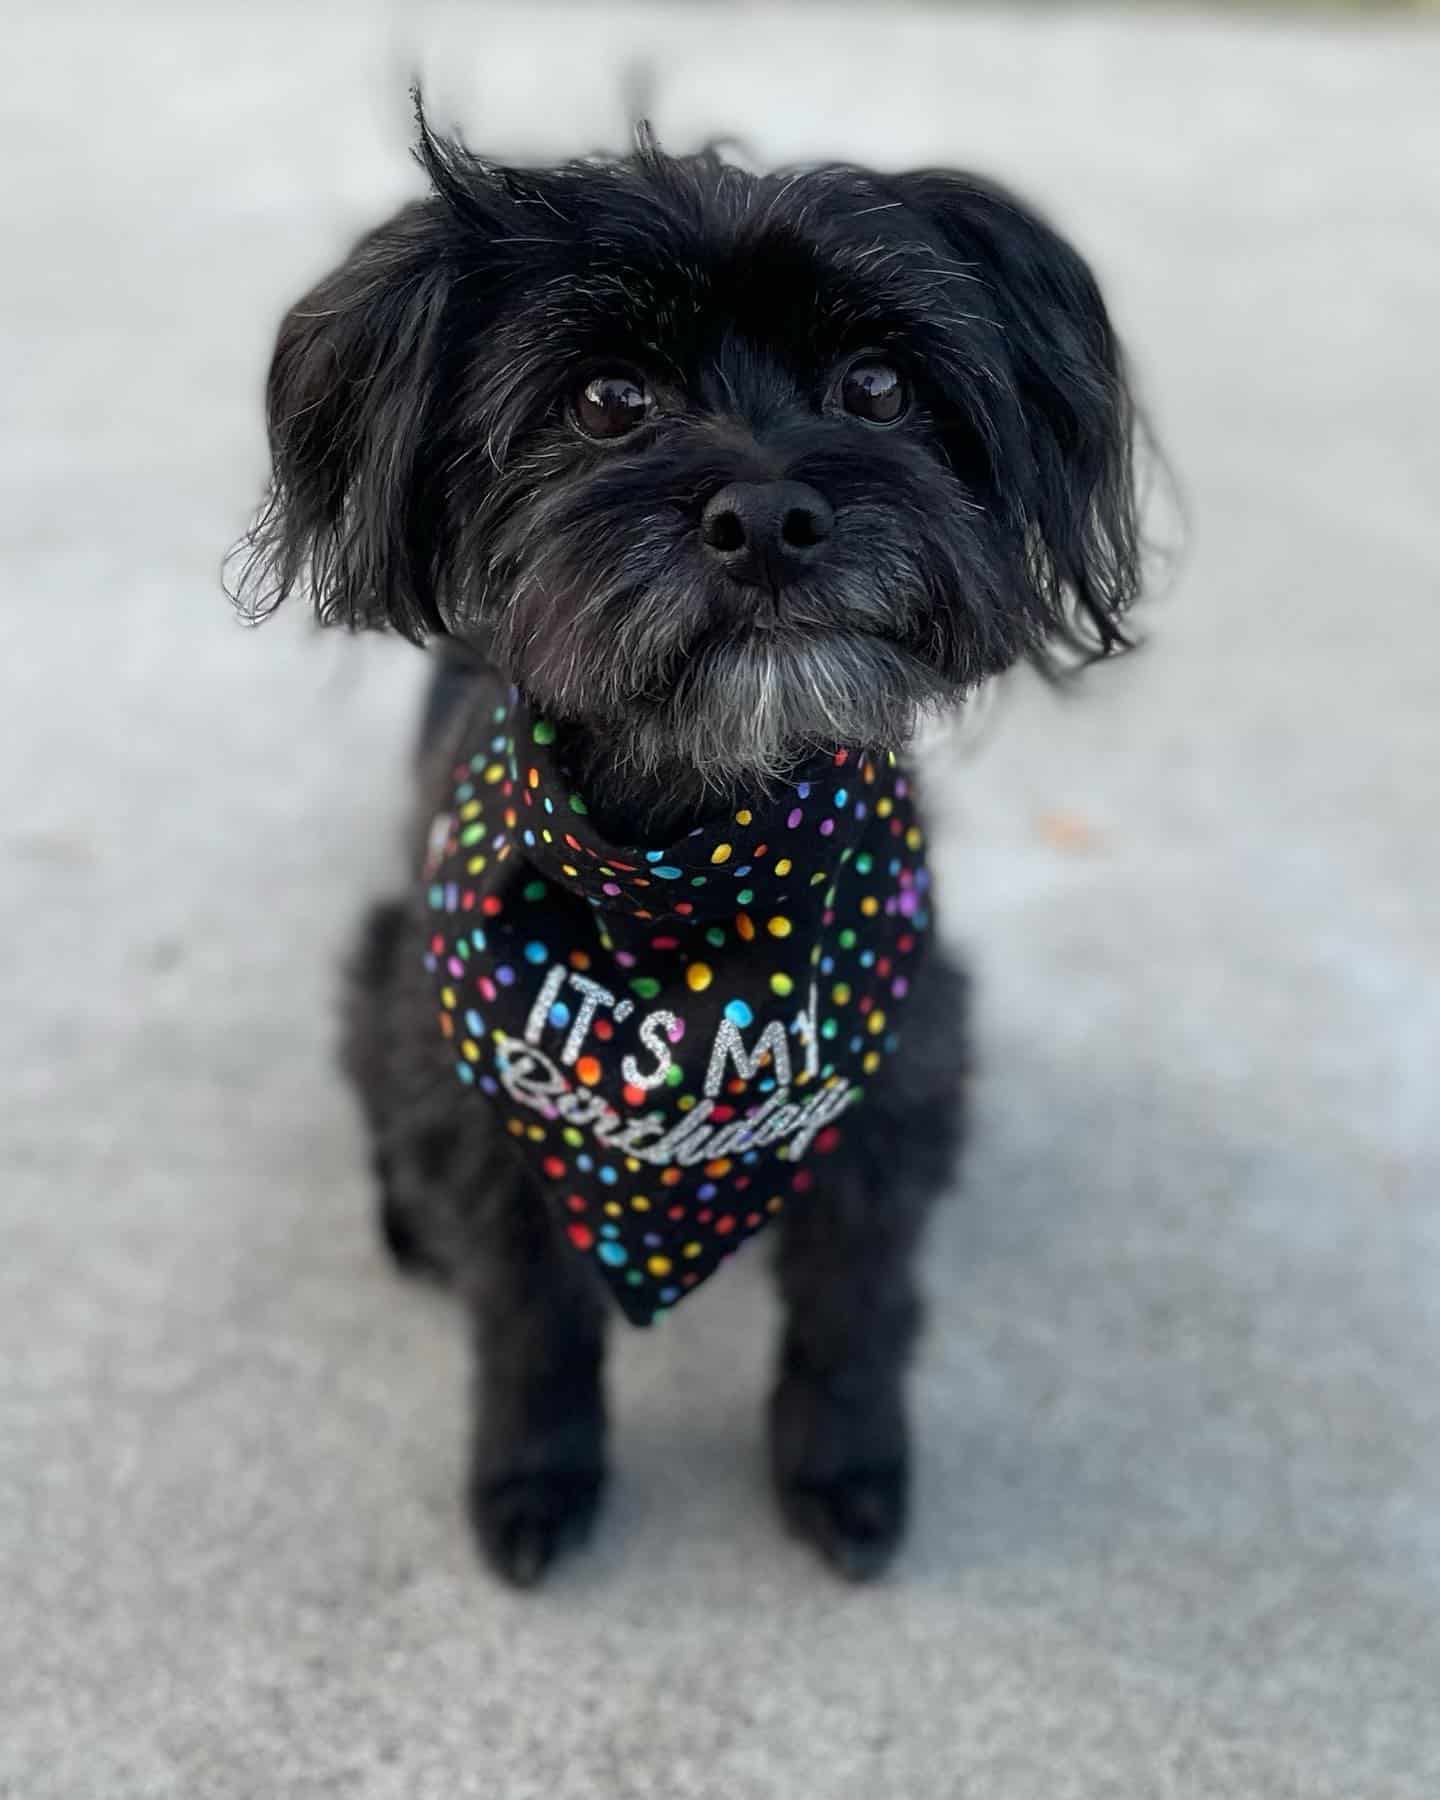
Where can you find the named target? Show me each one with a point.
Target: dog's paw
(856, 1520)
(840, 1463)
(523, 1522)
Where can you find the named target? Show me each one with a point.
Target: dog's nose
(765, 533)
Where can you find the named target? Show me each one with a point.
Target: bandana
(673, 1036)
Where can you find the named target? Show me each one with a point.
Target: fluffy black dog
(719, 472)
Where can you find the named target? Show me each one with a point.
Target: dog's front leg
(838, 1435)
(839, 1442)
(538, 1463)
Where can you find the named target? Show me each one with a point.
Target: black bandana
(671, 1035)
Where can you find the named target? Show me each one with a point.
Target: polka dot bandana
(672, 1036)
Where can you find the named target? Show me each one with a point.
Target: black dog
(708, 481)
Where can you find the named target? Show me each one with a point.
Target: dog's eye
(609, 406)
(874, 391)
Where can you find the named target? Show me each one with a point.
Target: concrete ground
(1178, 1525)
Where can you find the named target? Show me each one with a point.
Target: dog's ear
(352, 510)
(1060, 447)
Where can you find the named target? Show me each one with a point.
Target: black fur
(429, 477)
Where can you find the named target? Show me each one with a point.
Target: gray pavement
(1178, 1524)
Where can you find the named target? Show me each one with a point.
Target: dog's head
(732, 466)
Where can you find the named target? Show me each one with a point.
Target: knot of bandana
(672, 1035)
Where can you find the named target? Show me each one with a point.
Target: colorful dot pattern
(614, 1004)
